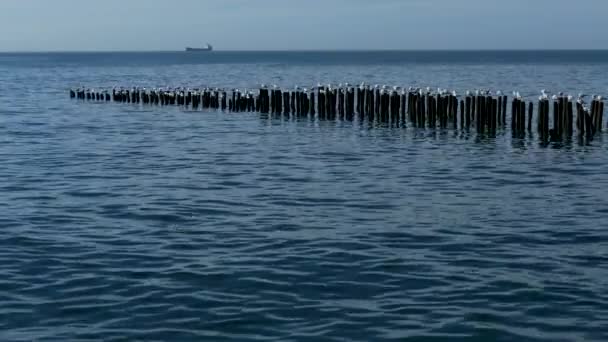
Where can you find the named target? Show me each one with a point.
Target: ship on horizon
(207, 48)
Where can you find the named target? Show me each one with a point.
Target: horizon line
(310, 50)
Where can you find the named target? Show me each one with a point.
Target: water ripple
(127, 223)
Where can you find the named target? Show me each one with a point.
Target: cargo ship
(207, 48)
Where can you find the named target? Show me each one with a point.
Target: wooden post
(530, 114)
(601, 112)
(539, 125)
(569, 120)
(580, 119)
(522, 119)
(462, 113)
(555, 117)
(494, 118)
(312, 104)
(454, 111)
(481, 117)
(420, 111)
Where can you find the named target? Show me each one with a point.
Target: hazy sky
(49, 25)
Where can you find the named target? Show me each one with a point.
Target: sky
(134, 25)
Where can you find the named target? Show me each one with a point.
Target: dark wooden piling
(306, 104)
(580, 119)
(601, 112)
(499, 114)
(433, 109)
(491, 116)
(297, 103)
(589, 126)
(461, 114)
(329, 113)
(480, 117)
(381, 113)
(454, 111)
(555, 117)
(522, 117)
(504, 110)
(467, 119)
(341, 103)
(494, 117)
(403, 108)
(545, 128)
(449, 115)
(530, 115)
(321, 104)
(350, 108)
(286, 104)
(238, 102)
(273, 102)
(597, 114)
(377, 103)
(539, 120)
(561, 115)
(417, 109)
(592, 112)
(543, 119)
(359, 100)
(312, 104)
(569, 119)
(411, 108)
(514, 114)
(384, 106)
(277, 97)
(303, 103)
(474, 107)
(400, 110)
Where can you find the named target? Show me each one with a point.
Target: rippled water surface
(130, 222)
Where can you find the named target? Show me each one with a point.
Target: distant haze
(83, 25)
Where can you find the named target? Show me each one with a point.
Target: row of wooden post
(485, 112)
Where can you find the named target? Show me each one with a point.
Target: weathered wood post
(601, 111)
(569, 120)
(312, 103)
(530, 114)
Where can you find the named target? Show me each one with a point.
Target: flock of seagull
(134, 94)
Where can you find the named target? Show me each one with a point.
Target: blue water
(128, 222)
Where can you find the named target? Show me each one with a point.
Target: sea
(127, 222)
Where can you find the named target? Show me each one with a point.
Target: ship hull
(188, 49)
